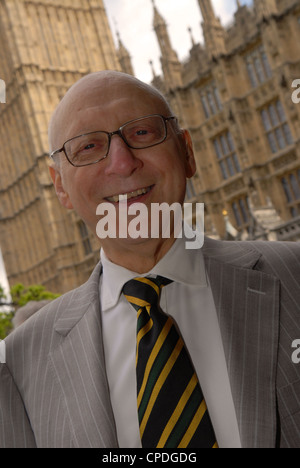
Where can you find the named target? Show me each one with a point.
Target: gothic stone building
(46, 45)
(235, 96)
(233, 92)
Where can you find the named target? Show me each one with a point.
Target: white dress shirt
(189, 300)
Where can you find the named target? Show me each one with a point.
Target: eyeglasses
(92, 147)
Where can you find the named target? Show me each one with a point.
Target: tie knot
(144, 291)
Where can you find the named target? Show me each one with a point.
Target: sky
(133, 19)
(3, 279)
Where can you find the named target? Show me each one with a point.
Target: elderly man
(163, 346)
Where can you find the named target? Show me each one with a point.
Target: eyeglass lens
(138, 134)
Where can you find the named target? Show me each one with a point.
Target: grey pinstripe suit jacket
(53, 387)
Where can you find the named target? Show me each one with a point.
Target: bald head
(94, 89)
(104, 102)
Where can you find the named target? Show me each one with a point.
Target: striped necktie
(171, 408)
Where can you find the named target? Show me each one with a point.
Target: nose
(121, 160)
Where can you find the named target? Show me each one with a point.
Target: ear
(190, 162)
(62, 195)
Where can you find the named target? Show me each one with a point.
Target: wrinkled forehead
(103, 92)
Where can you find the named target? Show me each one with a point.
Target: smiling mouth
(130, 195)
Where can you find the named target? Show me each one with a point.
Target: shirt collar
(179, 264)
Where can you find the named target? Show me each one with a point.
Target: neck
(138, 257)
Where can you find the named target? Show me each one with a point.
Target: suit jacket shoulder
(279, 258)
(256, 287)
(276, 254)
(53, 387)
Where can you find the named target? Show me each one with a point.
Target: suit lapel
(79, 368)
(247, 305)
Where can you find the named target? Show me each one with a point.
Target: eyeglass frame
(110, 135)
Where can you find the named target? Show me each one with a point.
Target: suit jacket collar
(239, 254)
(247, 305)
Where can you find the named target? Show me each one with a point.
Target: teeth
(128, 196)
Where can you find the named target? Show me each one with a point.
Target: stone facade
(45, 47)
(234, 93)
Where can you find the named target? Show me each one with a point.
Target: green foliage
(5, 324)
(20, 296)
(2, 294)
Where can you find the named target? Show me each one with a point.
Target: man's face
(158, 173)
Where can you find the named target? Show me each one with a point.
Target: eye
(96, 144)
(89, 146)
(142, 133)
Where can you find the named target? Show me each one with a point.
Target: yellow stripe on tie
(159, 342)
(193, 426)
(136, 301)
(143, 331)
(178, 411)
(150, 283)
(215, 445)
(159, 383)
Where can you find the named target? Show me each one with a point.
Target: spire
(152, 68)
(191, 35)
(158, 19)
(161, 30)
(124, 57)
(213, 31)
(265, 8)
(170, 64)
(207, 11)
